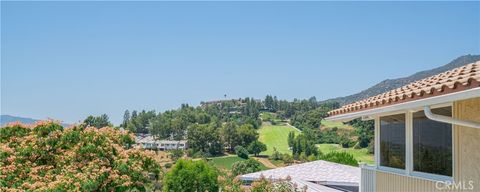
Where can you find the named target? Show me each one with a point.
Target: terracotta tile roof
(458, 79)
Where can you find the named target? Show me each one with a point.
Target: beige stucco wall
(466, 158)
(467, 143)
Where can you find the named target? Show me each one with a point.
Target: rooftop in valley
(319, 172)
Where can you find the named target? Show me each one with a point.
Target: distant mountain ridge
(390, 84)
(5, 119)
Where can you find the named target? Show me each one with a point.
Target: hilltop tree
(126, 118)
(179, 125)
(139, 122)
(134, 114)
(160, 126)
(131, 125)
(310, 119)
(269, 103)
(252, 108)
(98, 122)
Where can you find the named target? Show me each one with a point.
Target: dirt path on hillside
(265, 162)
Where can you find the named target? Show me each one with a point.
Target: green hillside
(276, 136)
(331, 124)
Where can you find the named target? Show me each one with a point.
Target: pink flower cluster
(72, 159)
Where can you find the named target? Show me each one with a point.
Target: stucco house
(427, 134)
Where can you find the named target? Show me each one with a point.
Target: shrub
(46, 157)
(244, 167)
(168, 165)
(287, 158)
(279, 185)
(303, 157)
(345, 142)
(188, 175)
(241, 152)
(176, 154)
(201, 154)
(190, 152)
(340, 157)
(311, 158)
(275, 155)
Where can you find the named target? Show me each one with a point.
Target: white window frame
(377, 147)
(408, 171)
(432, 176)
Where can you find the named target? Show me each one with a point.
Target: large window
(432, 143)
(392, 141)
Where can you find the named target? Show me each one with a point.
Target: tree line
(209, 129)
(217, 126)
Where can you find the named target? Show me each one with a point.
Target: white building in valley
(149, 142)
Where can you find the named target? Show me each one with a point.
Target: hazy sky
(66, 60)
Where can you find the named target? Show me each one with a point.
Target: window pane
(432, 143)
(392, 141)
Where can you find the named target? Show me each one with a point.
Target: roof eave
(451, 97)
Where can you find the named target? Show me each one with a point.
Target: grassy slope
(275, 136)
(331, 124)
(226, 162)
(360, 154)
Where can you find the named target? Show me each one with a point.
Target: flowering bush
(279, 185)
(47, 157)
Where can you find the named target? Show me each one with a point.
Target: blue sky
(66, 60)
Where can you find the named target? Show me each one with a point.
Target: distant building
(170, 145)
(205, 104)
(147, 141)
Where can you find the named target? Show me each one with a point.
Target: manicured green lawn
(226, 162)
(361, 155)
(331, 124)
(276, 136)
